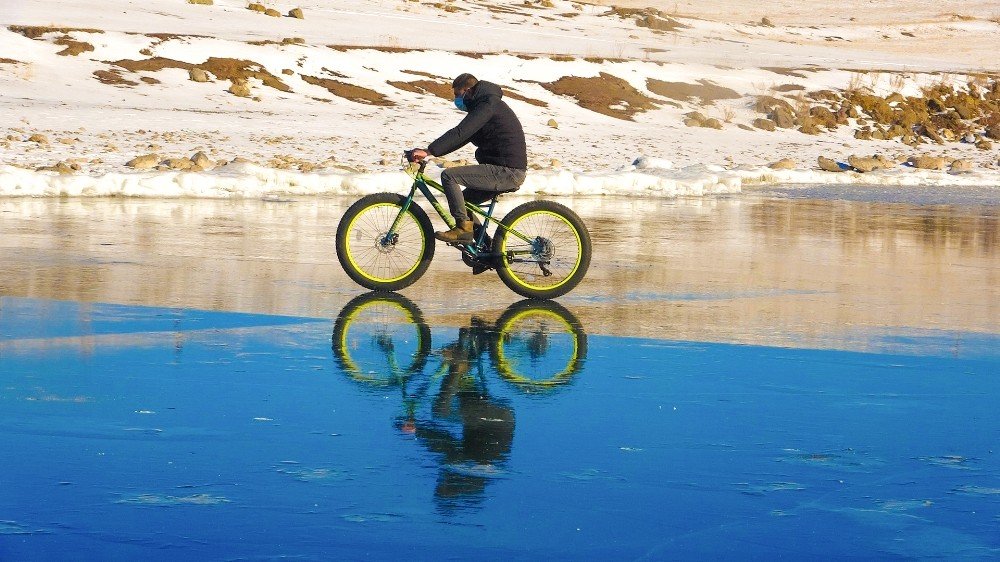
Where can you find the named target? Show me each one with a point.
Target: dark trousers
(482, 182)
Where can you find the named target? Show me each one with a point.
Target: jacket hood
(483, 90)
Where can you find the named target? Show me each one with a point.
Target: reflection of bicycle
(385, 242)
(382, 339)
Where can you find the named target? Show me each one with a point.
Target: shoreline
(644, 178)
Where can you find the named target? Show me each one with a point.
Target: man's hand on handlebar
(417, 155)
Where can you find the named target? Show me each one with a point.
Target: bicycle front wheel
(373, 258)
(544, 251)
(381, 339)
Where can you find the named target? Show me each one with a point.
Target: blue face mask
(460, 103)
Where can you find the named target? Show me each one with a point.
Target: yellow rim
(579, 244)
(348, 245)
(503, 364)
(350, 366)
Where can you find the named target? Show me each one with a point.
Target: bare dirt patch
(789, 88)
(508, 93)
(794, 73)
(333, 72)
(73, 48)
(113, 77)
(424, 74)
(164, 37)
(648, 17)
(348, 91)
(345, 48)
(10, 61)
(237, 70)
(660, 23)
(36, 31)
(450, 8)
(441, 88)
(705, 90)
(284, 41)
(423, 87)
(605, 94)
(153, 64)
(506, 10)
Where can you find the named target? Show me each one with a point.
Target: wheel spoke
(555, 232)
(380, 339)
(540, 347)
(544, 250)
(376, 260)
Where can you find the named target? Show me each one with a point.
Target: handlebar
(408, 155)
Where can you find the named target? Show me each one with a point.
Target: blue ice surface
(24, 318)
(127, 434)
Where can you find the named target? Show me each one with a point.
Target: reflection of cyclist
(501, 152)
(383, 341)
(487, 424)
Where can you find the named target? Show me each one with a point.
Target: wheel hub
(386, 244)
(543, 249)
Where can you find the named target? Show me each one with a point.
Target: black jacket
(491, 126)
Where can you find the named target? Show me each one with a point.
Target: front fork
(391, 235)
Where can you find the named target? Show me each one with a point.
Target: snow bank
(902, 176)
(646, 177)
(235, 180)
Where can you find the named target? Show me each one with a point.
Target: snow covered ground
(333, 98)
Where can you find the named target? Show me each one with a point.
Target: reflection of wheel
(545, 252)
(381, 338)
(379, 262)
(539, 345)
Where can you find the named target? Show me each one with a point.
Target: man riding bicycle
(501, 151)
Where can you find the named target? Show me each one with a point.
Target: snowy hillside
(115, 97)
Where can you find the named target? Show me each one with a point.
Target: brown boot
(462, 233)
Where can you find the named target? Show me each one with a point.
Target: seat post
(481, 235)
(489, 210)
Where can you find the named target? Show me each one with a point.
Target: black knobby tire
(381, 266)
(539, 346)
(543, 236)
(381, 339)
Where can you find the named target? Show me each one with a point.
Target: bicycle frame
(385, 241)
(427, 186)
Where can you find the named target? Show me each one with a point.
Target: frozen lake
(767, 269)
(763, 375)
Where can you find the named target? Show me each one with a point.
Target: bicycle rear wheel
(545, 250)
(540, 345)
(378, 262)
